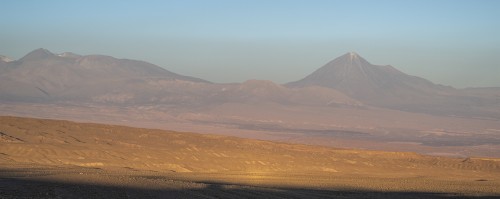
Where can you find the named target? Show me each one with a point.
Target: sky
(450, 42)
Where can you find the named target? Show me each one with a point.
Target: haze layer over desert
(348, 103)
(250, 99)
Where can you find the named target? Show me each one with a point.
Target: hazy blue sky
(451, 42)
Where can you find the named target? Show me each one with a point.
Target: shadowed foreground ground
(38, 189)
(169, 187)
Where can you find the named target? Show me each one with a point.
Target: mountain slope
(44, 75)
(353, 75)
(350, 80)
(264, 91)
(387, 87)
(5, 59)
(65, 142)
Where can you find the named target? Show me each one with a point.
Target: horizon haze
(341, 103)
(250, 99)
(454, 43)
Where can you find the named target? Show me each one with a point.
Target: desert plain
(41, 158)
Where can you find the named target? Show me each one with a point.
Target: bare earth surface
(373, 129)
(59, 159)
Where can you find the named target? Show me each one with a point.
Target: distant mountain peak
(40, 53)
(43, 75)
(69, 54)
(353, 55)
(5, 58)
(356, 77)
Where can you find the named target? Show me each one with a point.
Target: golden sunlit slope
(50, 143)
(62, 142)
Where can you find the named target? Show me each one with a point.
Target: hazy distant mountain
(256, 91)
(42, 75)
(69, 54)
(5, 59)
(91, 66)
(356, 77)
(346, 101)
(388, 87)
(348, 81)
(3, 62)
(47, 77)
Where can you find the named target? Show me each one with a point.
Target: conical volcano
(37, 54)
(373, 84)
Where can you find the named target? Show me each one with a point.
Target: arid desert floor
(60, 159)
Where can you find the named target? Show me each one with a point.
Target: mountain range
(348, 102)
(385, 86)
(42, 76)
(349, 80)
